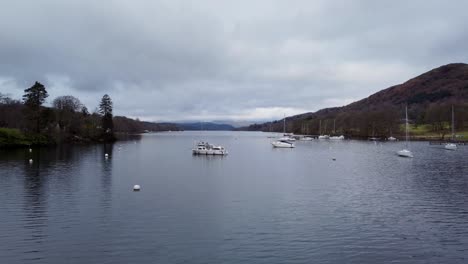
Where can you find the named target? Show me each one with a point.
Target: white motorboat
(391, 139)
(282, 144)
(337, 137)
(201, 148)
(218, 150)
(204, 148)
(451, 145)
(405, 152)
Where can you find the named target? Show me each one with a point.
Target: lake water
(256, 205)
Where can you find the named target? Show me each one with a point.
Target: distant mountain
(128, 125)
(205, 126)
(429, 97)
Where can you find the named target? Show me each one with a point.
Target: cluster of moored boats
(205, 148)
(287, 141)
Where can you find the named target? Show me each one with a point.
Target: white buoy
(136, 188)
(106, 155)
(30, 161)
(30, 150)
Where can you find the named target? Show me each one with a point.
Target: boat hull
(450, 146)
(209, 152)
(277, 144)
(405, 153)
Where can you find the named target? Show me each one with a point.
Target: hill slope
(429, 97)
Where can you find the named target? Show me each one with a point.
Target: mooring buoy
(136, 188)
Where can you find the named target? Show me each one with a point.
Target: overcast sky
(224, 60)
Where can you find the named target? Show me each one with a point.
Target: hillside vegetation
(429, 96)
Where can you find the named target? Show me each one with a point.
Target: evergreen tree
(35, 96)
(105, 109)
(33, 99)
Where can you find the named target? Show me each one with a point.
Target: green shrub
(12, 137)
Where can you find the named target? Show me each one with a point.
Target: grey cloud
(179, 59)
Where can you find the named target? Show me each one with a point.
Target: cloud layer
(213, 60)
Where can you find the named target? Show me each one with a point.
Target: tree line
(67, 120)
(28, 121)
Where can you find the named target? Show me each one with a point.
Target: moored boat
(204, 148)
(282, 144)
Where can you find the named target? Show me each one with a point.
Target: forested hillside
(429, 97)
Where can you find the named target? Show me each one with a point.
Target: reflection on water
(256, 205)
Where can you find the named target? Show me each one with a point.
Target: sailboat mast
(284, 124)
(406, 125)
(453, 124)
(320, 126)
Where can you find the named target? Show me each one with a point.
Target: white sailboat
(286, 141)
(282, 144)
(334, 132)
(405, 152)
(451, 145)
(320, 131)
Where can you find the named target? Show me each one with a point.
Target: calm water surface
(257, 205)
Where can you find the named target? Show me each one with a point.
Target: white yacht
(337, 137)
(286, 141)
(405, 152)
(204, 148)
(282, 144)
(452, 145)
(320, 132)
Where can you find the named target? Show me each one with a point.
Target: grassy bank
(425, 132)
(10, 137)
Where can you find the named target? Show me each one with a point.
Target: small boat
(289, 139)
(306, 138)
(282, 144)
(218, 150)
(391, 139)
(320, 132)
(337, 137)
(405, 152)
(451, 145)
